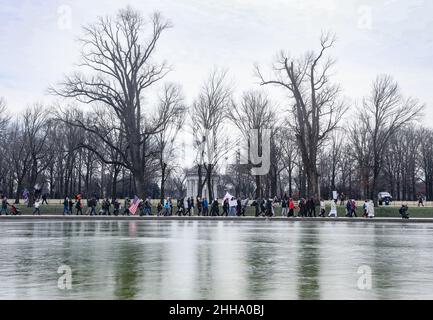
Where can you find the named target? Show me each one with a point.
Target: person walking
(291, 205)
(226, 208)
(370, 209)
(262, 207)
(71, 206)
(311, 206)
(192, 206)
(302, 208)
(92, 204)
(180, 207)
(66, 206)
(159, 208)
(44, 199)
(284, 209)
(127, 204)
(148, 207)
(353, 208)
(349, 208)
(37, 210)
(105, 207)
(170, 201)
(256, 205)
(239, 208)
(188, 207)
(333, 212)
(232, 207)
(79, 207)
(205, 207)
(244, 207)
(141, 209)
(116, 206)
(365, 209)
(322, 208)
(269, 212)
(199, 206)
(215, 208)
(4, 206)
(167, 207)
(421, 201)
(342, 199)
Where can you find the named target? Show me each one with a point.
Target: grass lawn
(56, 208)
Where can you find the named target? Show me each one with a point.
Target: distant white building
(192, 184)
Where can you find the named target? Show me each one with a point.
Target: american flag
(134, 206)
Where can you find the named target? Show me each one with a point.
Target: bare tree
(384, 112)
(122, 68)
(289, 157)
(36, 129)
(426, 160)
(253, 113)
(166, 138)
(4, 117)
(208, 114)
(4, 165)
(361, 153)
(317, 108)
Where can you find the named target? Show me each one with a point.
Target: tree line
(115, 128)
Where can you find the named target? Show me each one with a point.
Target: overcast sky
(38, 41)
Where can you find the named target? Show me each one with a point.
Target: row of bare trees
(111, 134)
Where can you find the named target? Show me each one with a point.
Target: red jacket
(291, 204)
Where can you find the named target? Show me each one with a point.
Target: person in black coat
(262, 207)
(189, 204)
(226, 208)
(199, 206)
(311, 205)
(269, 208)
(256, 205)
(180, 207)
(403, 211)
(215, 208)
(239, 208)
(302, 208)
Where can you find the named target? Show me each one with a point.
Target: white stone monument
(192, 185)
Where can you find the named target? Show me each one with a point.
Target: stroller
(15, 211)
(404, 212)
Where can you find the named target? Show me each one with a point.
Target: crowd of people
(188, 206)
(263, 207)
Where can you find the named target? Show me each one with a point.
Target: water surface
(215, 260)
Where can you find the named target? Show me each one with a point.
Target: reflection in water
(309, 263)
(127, 272)
(215, 260)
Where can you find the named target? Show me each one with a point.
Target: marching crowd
(230, 206)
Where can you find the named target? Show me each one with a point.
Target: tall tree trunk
(200, 180)
(209, 181)
(114, 182)
(259, 193)
(163, 178)
(19, 191)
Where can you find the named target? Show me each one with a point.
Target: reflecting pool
(216, 260)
